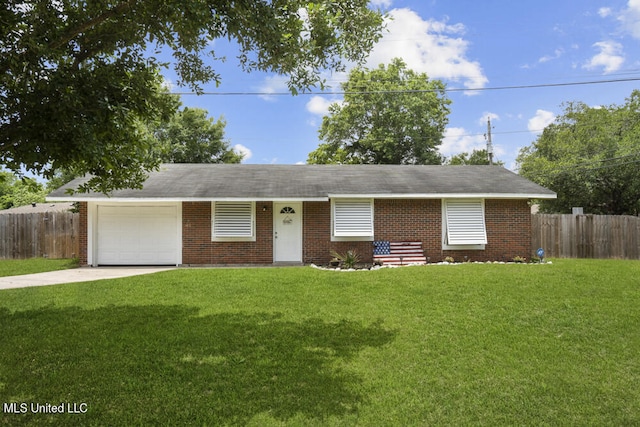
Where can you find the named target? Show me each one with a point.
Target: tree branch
(72, 33)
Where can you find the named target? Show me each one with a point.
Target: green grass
(16, 267)
(437, 345)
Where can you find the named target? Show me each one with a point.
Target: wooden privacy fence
(37, 235)
(586, 236)
(55, 235)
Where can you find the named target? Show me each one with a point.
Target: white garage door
(137, 235)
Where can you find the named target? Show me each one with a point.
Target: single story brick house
(213, 214)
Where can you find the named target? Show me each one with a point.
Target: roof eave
(447, 196)
(105, 199)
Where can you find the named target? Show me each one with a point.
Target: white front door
(287, 232)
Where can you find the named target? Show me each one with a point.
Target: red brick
(508, 224)
(82, 233)
(198, 247)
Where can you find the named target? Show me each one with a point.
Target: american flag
(381, 247)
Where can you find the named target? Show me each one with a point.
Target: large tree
(192, 137)
(590, 157)
(78, 87)
(390, 115)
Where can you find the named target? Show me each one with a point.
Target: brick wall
(316, 232)
(317, 244)
(198, 248)
(394, 220)
(508, 225)
(410, 220)
(82, 233)
(196, 233)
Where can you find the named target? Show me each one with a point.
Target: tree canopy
(589, 156)
(79, 89)
(477, 157)
(16, 192)
(192, 137)
(390, 115)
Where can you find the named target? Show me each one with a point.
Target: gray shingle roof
(268, 182)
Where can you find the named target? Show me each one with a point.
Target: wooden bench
(398, 253)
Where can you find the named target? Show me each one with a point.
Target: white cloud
(241, 149)
(605, 12)
(610, 57)
(540, 121)
(319, 105)
(273, 84)
(482, 121)
(630, 18)
(556, 54)
(459, 140)
(433, 47)
(381, 3)
(427, 46)
(167, 84)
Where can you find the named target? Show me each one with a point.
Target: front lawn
(436, 345)
(16, 267)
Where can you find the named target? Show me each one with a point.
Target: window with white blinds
(233, 220)
(464, 222)
(353, 218)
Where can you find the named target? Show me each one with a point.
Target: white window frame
(477, 216)
(241, 220)
(364, 232)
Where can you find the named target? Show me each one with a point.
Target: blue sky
(468, 45)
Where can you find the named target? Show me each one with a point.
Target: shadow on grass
(159, 364)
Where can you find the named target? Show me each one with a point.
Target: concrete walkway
(83, 274)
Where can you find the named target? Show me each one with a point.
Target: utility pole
(489, 145)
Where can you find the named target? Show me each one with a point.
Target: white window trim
(445, 226)
(239, 238)
(355, 236)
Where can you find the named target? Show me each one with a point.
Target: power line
(507, 132)
(554, 173)
(583, 167)
(403, 91)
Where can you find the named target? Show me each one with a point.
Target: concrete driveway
(83, 274)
